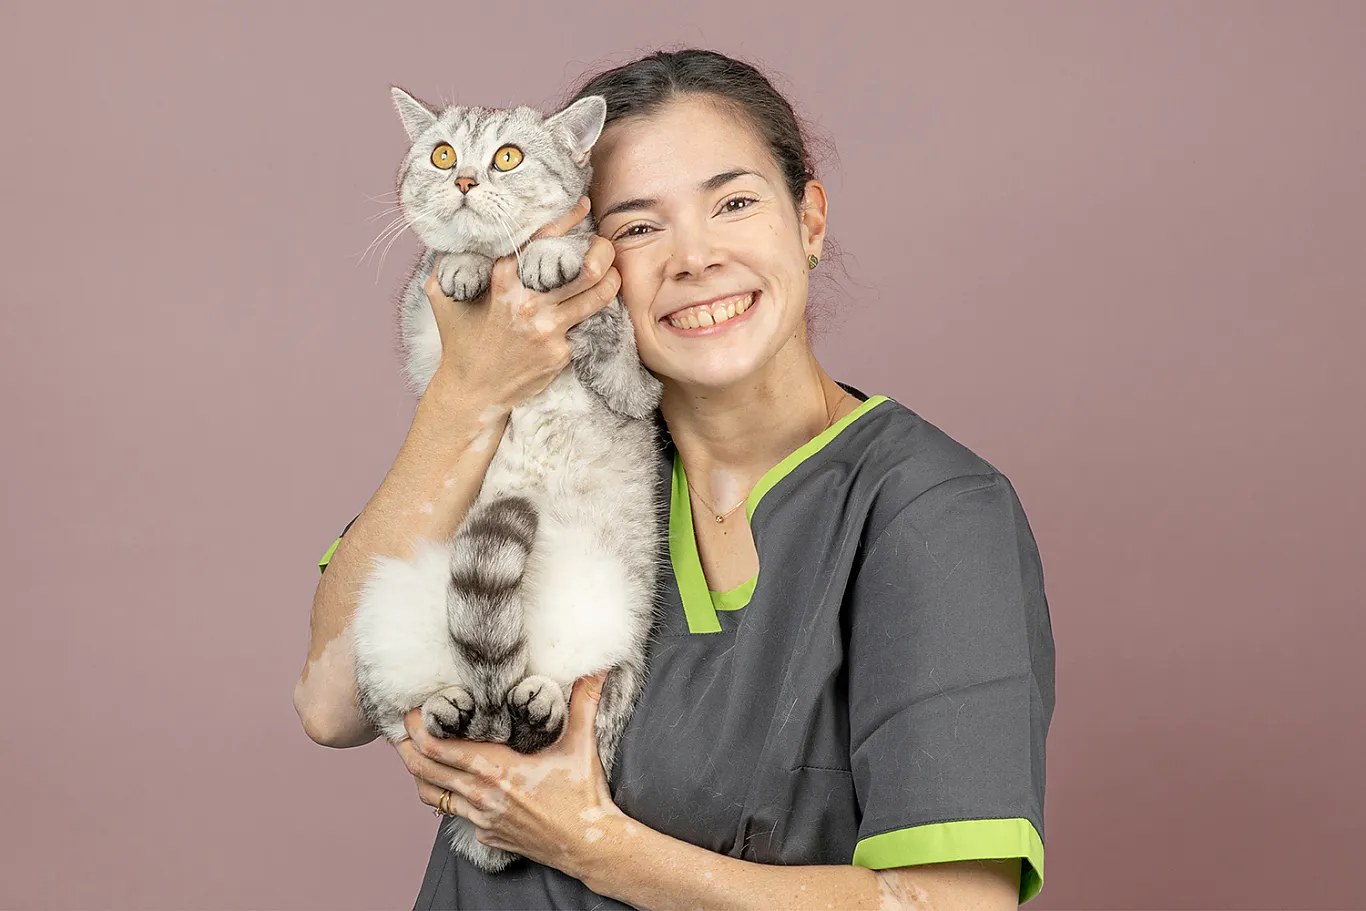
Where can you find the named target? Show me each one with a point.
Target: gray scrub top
(878, 695)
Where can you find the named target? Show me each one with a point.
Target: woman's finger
(432, 286)
(560, 226)
(457, 804)
(454, 759)
(583, 706)
(429, 771)
(581, 306)
(504, 277)
(596, 262)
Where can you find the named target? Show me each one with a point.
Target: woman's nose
(694, 252)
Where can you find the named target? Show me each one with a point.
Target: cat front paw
(539, 710)
(549, 262)
(464, 276)
(448, 712)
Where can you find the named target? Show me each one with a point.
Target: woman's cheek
(636, 293)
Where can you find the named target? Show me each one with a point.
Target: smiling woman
(851, 675)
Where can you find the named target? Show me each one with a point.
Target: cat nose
(466, 183)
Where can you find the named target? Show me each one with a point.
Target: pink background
(1117, 249)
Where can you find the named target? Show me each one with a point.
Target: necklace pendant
(720, 519)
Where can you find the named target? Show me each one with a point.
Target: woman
(852, 680)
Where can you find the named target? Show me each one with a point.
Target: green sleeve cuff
(327, 557)
(969, 839)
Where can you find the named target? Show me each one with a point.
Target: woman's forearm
(434, 479)
(656, 872)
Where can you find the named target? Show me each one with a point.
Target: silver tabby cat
(552, 573)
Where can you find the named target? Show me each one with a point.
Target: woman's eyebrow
(715, 182)
(725, 177)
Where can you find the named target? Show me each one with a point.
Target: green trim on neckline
(327, 557)
(737, 597)
(700, 603)
(966, 839)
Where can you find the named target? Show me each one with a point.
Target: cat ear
(415, 115)
(581, 123)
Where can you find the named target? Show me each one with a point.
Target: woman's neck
(728, 438)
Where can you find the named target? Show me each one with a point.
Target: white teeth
(697, 318)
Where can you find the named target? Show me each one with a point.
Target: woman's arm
(555, 807)
(654, 872)
(427, 491)
(495, 352)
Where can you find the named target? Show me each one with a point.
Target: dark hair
(643, 86)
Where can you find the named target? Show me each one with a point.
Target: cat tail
(605, 359)
(484, 606)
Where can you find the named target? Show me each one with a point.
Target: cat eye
(507, 158)
(443, 156)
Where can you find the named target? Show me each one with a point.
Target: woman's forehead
(676, 148)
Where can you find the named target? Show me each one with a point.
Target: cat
(552, 574)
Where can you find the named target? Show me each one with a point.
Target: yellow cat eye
(443, 156)
(507, 158)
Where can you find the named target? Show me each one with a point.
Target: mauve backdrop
(1117, 249)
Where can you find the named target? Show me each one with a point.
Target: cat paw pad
(464, 276)
(548, 263)
(448, 713)
(539, 710)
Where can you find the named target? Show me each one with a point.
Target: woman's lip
(718, 327)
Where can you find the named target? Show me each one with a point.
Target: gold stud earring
(811, 261)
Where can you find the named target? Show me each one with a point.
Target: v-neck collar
(700, 604)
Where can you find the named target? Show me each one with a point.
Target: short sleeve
(951, 683)
(327, 557)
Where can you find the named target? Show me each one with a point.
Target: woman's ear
(815, 210)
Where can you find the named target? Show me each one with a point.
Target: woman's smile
(711, 317)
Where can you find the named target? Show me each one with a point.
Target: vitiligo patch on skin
(897, 893)
(426, 509)
(484, 438)
(544, 323)
(593, 834)
(336, 661)
(448, 483)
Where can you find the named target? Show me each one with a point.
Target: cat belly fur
(588, 590)
(585, 607)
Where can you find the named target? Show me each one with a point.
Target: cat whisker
(397, 234)
(499, 217)
(397, 226)
(384, 212)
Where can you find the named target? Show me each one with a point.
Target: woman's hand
(511, 342)
(546, 806)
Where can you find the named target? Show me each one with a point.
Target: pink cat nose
(466, 183)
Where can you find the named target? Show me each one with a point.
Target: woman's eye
(738, 203)
(635, 231)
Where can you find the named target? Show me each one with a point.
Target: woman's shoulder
(902, 458)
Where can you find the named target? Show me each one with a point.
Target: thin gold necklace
(721, 516)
